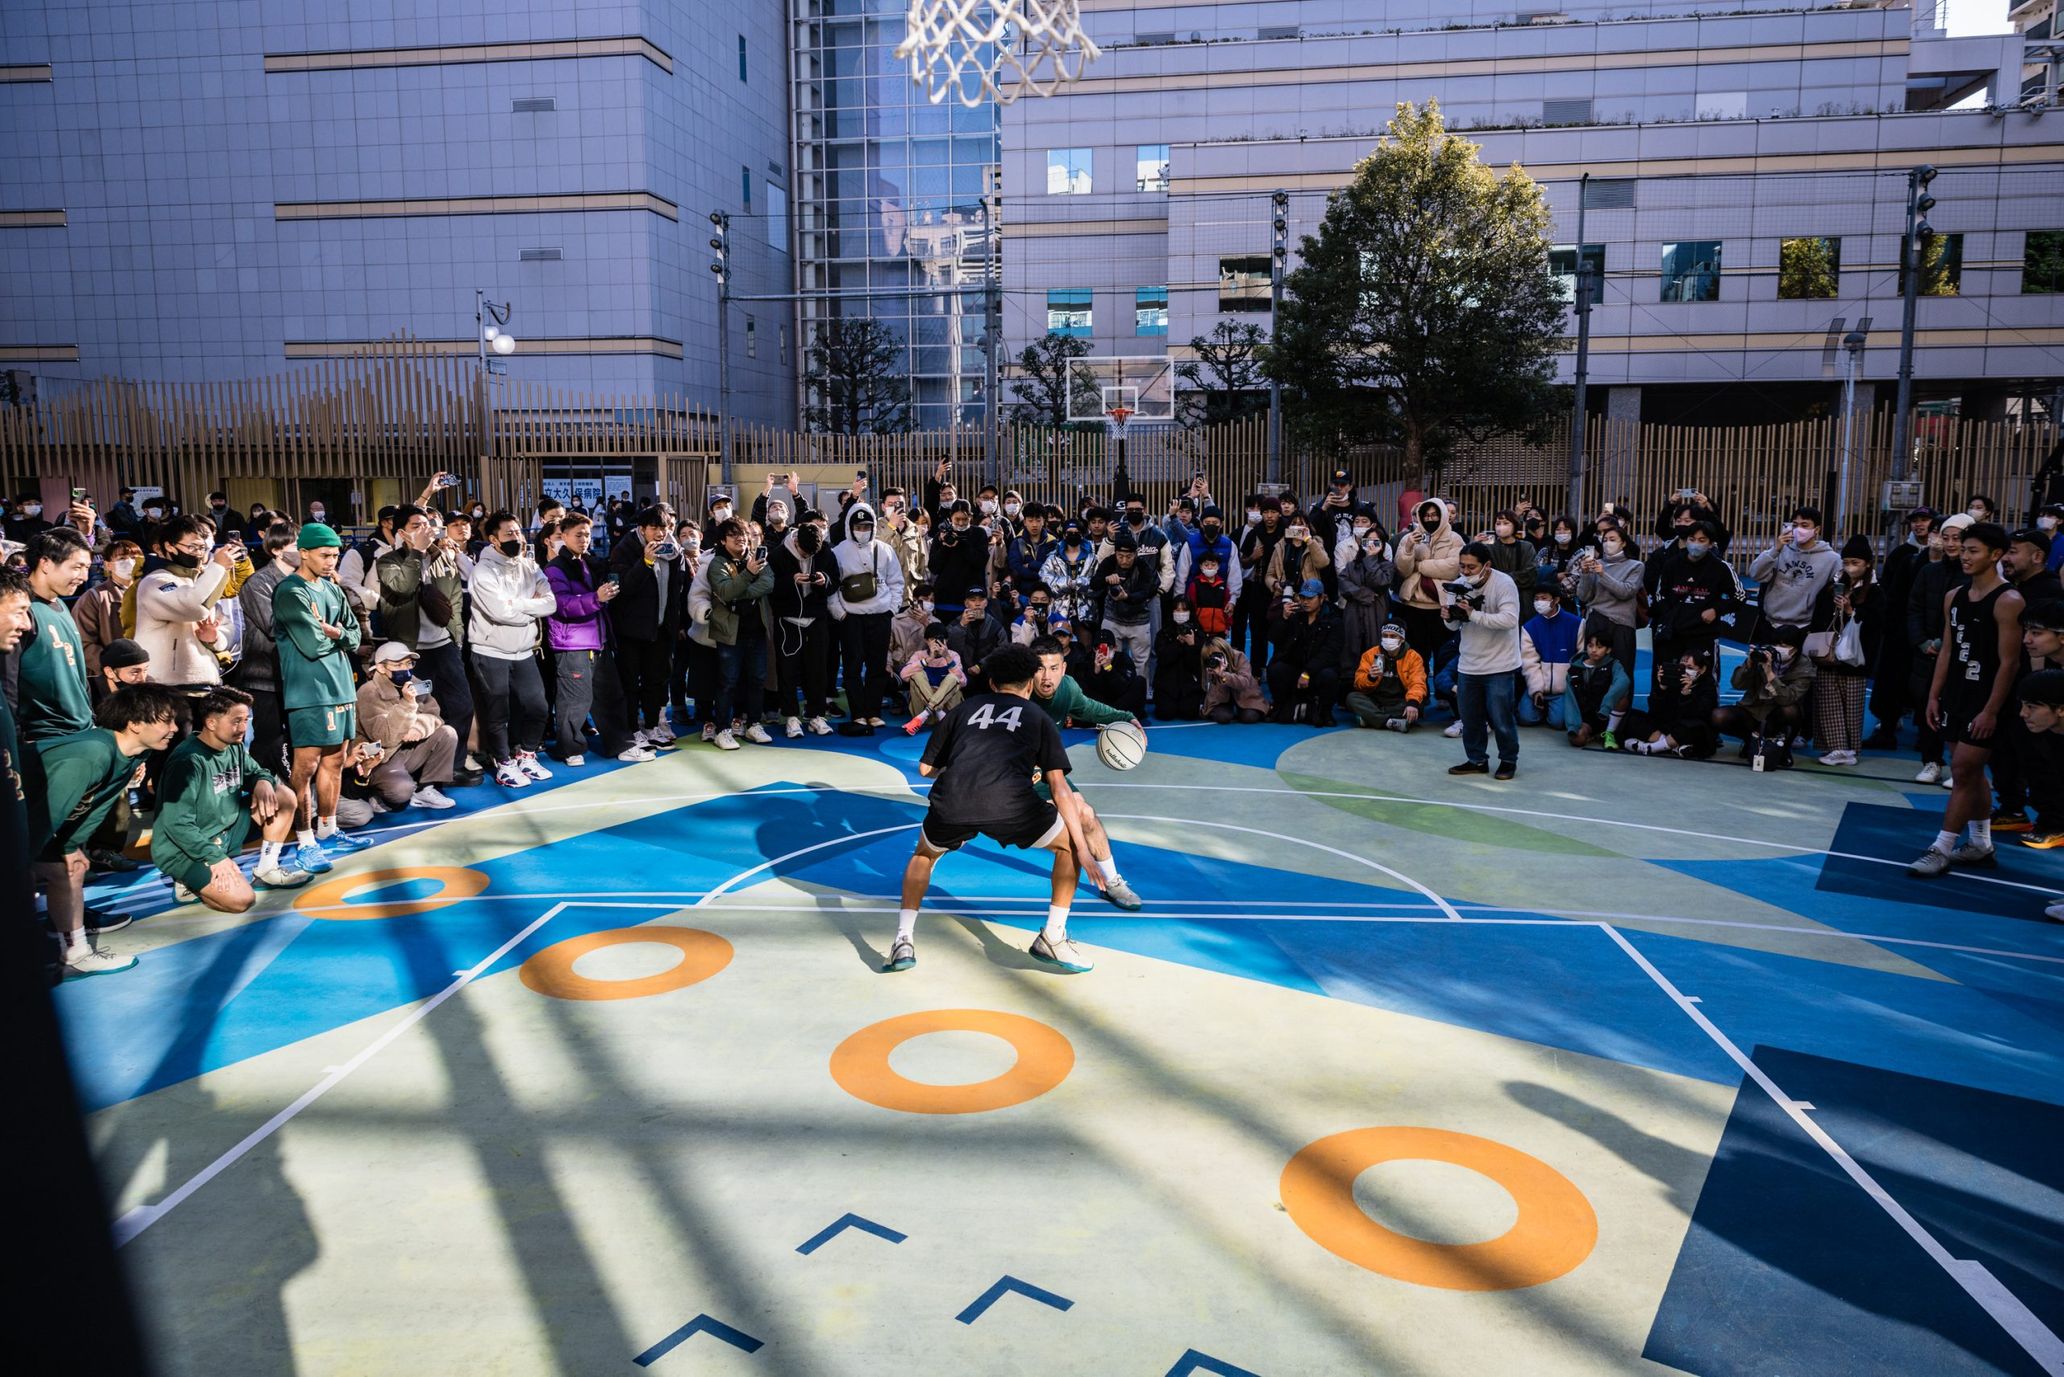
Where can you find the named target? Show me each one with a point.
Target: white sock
(906, 925)
(1981, 832)
(325, 827)
(75, 942)
(1056, 929)
(268, 855)
(1612, 724)
(1946, 841)
(305, 836)
(1109, 865)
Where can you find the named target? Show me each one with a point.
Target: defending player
(1056, 691)
(985, 757)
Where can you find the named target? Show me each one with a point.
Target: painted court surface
(1627, 1066)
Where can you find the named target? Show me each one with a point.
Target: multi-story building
(1715, 152)
(210, 191)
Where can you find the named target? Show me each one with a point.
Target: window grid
(1069, 171)
(1068, 312)
(1150, 311)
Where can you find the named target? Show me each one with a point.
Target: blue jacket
(1554, 641)
(1026, 561)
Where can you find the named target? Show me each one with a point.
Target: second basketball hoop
(994, 50)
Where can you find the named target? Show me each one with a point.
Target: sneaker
(510, 775)
(2055, 912)
(1506, 769)
(575, 762)
(757, 734)
(1931, 773)
(528, 762)
(375, 806)
(114, 862)
(1839, 758)
(1470, 767)
(1972, 854)
(1609, 742)
(310, 859)
(343, 841)
(1931, 864)
(855, 728)
(902, 956)
(793, 728)
(1948, 781)
(1121, 895)
(661, 735)
(100, 920)
(709, 733)
(725, 741)
(642, 737)
(430, 796)
(92, 960)
(1062, 956)
(1581, 737)
(1397, 724)
(182, 893)
(279, 877)
(637, 755)
(2043, 839)
(1453, 729)
(2011, 820)
(911, 727)
(876, 722)
(818, 727)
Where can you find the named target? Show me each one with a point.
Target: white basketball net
(984, 50)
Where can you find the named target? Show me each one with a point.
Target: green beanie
(316, 536)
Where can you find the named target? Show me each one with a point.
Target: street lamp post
(488, 333)
(1279, 262)
(720, 245)
(1912, 255)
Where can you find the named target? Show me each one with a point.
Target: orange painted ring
(1556, 1229)
(861, 1067)
(328, 898)
(551, 972)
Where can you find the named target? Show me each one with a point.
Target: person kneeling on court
(395, 709)
(211, 792)
(1389, 683)
(1056, 691)
(985, 757)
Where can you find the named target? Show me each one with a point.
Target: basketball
(1121, 745)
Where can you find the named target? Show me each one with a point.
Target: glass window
(1151, 160)
(741, 57)
(2042, 262)
(752, 338)
(1067, 171)
(1942, 265)
(1809, 269)
(1562, 266)
(777, 217)
(781, 341)
(745, 186)
(1150, 311)
(1691, 270)
(1243, 283)
(1067, 312)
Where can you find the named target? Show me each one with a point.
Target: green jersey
(54, 697)
(83, 775)
(315, 671)
(16, 770)
(201, 801)
(1070, 704)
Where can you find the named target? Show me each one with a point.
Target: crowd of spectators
(218, 673)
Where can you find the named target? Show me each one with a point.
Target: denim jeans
(1555, 713)
(1488, 703)
(741, 680)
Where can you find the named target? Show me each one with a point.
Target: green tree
(1808, 269)
(2042, 262)
(1226, 378)
(1423, 311)
(1047, 373)
(858, 376)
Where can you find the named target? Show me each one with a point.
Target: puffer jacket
(168, 603)
(1316, 564)
(510, 596)
(1424, 562)
(259, 668)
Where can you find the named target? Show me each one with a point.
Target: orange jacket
(1407, 670)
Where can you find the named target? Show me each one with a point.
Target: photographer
(740, 580)
(422, 583)
(1483, 606)
(1679, 718)
(1178, 667)
(1609, 586)
(177, 621)
(805, 570)
(1304, 671)
(1774, 680)
(1691, 592)
(959, 560)
(1231, 693)
(1127, 586)
(1796, 576)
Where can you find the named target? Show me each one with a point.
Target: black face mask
(511, 548)
(1212, 530)
(1135, 518)
(1430, 523)
(1073, 537)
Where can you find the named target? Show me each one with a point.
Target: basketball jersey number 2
(987, 716)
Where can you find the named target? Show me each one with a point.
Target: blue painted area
(843, 1223)
(1895, 833)
(1788, 1267)
(701, 1324)
(1004, 1287)
(1193, 1361)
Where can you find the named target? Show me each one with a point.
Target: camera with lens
(1466, 593)
(1762, 655)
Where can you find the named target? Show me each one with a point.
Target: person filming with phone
(177, 622)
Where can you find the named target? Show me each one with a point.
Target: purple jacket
(582, 620)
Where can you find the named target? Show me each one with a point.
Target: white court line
(840, 840)
(135, 1221)
(2006, 1309)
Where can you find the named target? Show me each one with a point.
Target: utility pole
(1578, 409)
(1279, 259)
(1852, 345)
(992, 326)
(1912, 255)
(720, 244)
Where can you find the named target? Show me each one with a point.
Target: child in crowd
(1597, 691)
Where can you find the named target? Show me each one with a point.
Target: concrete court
(1395, 1074)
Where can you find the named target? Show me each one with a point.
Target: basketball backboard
(1143, 386)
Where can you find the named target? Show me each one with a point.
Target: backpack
(1209, 601)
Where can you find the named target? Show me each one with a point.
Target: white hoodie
(509, 596)
(874, 557)
(168, 603)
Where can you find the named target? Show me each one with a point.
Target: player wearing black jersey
(986, 757)
(1973, 676)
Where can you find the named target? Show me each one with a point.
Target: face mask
(478, 513)
(1013, 508)
(1253, 518)
(1392, 645)
(1611, 547)
(1503, 532)
(32, 509)
(1209, 571)
(1562, 537)
(1782, 652)
(511, 548)
(1697, 549)
(923, 609)
(1803, 535)
(1212, 530)
(1975, 513)
(1182, 619)
(1429, 524)
(316, 514)
(2046, 523)
(1038, 611)
(1073, 538)
(722, 513)
(123, 568)
(1135, 518)
(402, 676)
(1477, 580)
(1544, 607)
(862, 534)
(1361, 528)
(988, 506)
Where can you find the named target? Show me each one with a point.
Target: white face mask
(32, 509)
(988, 506)
(123, 568)
(1803, 536)
(1544, 607)
(1611, 547)
(1253, 518)
(1975, 513)
(315, 513)
(1013, 508)
(1562, 537)
(1392, 645)
(721, 514)
(1182, 619)
(1361, 528)
(2046, 523)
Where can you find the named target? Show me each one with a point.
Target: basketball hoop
(994, 50)
(1119, 415)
